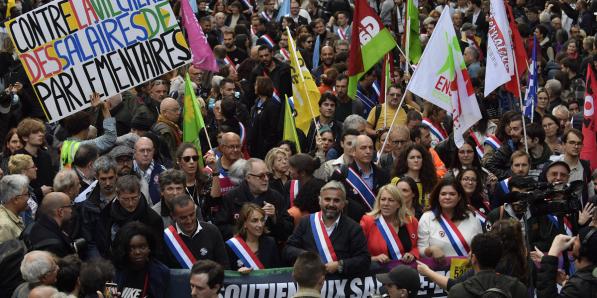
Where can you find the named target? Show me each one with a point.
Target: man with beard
(327, 108)
(233, 53)
(54, 213)
(362, 177)
(103, 192)
(327, 60)
(278, 71)
(130, 205)
(255, 189)
(337, 239)
(345, 105)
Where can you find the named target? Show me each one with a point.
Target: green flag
(289, 127)
(192, 119)
(414, 48)
(370, 41)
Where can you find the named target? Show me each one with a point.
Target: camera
(551, 198)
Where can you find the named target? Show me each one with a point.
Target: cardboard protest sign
(72, 48)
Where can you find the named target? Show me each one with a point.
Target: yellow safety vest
(68, 151)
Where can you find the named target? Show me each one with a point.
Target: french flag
(270, 41)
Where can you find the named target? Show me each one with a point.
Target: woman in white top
(448, 227)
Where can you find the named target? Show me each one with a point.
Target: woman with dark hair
(542, 105)
(410, 193)
(137, 269)
(415, 162)
(12, 143)
(449, 226)
(201, 185)
(288, 146)
(304, 44)
(551, 126)
(514, 261)
(475, 194)
(324, 142)
(466, 157)
(264, 119)
(250, 249)
(302, 190)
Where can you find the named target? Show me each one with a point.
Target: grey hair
(353, 122)
(560, 108)
(335, 185)
(237, 171)
(555, 88)
(36, 264)
(65, 180)
(249, 165)
(104, 164)
(12, 186)
(474, 52)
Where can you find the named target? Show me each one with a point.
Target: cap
(557, 162)
(404, 277)
(121, 150)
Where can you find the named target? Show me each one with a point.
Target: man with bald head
(362, 178)
(327, 59)
(167, 125)
(46, 234)
(39, 270)
(398, 139)
(230, 146)
(147, 168)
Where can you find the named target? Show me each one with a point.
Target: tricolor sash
(276, 95)
(244, 253)
(504, 185)
(493, 142)
(342, 33)
(178, 248)
(361, 187)
(294, 190)
(438, 132)
(456, 239)
(268, 40)
(567, 226)
(322, 240)
(479, 147)
(265, 16)
(285, 54)
(391, 237)
(377, 88)
(479, 215)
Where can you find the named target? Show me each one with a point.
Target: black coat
(233, 201)
(113, 217)
(356, 207)
(347, 239)
(268, 254)
(46, 235)
(280, 77)
(264, 127)
(487, 279)
(580, 285)
(308, 196)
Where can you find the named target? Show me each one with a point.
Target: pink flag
(203, 57)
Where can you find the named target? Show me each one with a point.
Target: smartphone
(110, 290)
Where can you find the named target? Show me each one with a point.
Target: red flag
(520, 54)
(589, 125)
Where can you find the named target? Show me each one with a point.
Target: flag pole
(207, 137)
(524, 126)
(393, 120)
(385, 91)
(412, 68)
(407, 43)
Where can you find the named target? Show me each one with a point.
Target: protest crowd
(337, 137)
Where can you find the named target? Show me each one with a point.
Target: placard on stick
(72, 48)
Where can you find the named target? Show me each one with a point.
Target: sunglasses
(188, 158)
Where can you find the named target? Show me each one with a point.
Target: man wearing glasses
(167, 125)
(46, 234)
(381, 116)
(255, 189)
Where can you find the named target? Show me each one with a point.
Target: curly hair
(427, 175)
(121, 243)
(460, 211)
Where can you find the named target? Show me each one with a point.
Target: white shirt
(431, 233)
(179, 231)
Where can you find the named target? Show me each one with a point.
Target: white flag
(442, 79)
(499, 68)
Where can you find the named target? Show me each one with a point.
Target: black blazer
(356, 207)
(308, 196)
(46, 235)
(268, 254)
(347, 239)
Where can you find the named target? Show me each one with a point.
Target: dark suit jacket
(347, 239)
(356, 207)
(46, 235)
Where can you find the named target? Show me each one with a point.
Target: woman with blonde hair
(23, 164)
(390, 228)
(250, 249)
(276, 161)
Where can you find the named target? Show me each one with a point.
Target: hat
(121, 150)
(404, 277)
(142, 121)
(467, 26)
(558, 162)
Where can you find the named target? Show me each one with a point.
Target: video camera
(551, 198)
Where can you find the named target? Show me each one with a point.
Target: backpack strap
(377, 114)
(498, 291)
